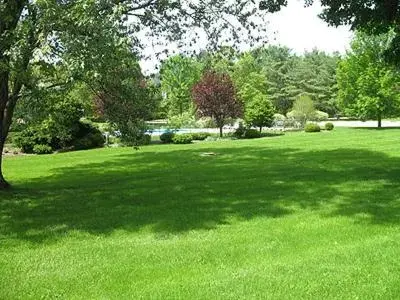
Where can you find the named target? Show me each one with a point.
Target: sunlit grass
(296, 216)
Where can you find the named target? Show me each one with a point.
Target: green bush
(87, 136)
(90, 141)
(83, 128)
(42, 149)
(10, 136)
(182, 138)
(278, 120)
(145, 140)
(82, 135)
(166, 137)
(186, 120)
(252, 134)
(113, 140)
(329, 126)
(319, 116)
(82, 143)
(312, 127)
(28, 138)
(279, 117)
(200, 136)
(240, 131)
(97, 138)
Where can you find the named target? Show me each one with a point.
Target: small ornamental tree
(303, 109)
(214, 96)
(258, 109)
(259, 112)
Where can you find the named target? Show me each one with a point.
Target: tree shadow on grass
(180, 190)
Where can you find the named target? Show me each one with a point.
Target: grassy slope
(299, 216)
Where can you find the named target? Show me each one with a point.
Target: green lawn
(296, 216)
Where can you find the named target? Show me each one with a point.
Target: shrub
(329, 126)
(145, 140)
(85, 127)
(252, 134)
(81, 135)
(28, 138)
(239, 132)
(187, 120)
(97, 138)
(182, 139)
(312, 127)
(9, 139)
(113, 140)
(87, 136)
(166, 137)
(82, 143)
(42, 149)
(278, 120)
(279, 117)
(319, 116)
(200, 136)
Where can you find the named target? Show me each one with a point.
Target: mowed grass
(297, 216)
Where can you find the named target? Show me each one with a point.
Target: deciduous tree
(259, 112)
(368, 87)
(251, 85)
(215, 96)
(178, 75)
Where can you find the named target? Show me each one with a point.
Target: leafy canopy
(215, 96)
(368, 87)
(178, 75)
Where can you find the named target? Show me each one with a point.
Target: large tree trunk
(3, 183)
(220, 131)
(13, 11)
(3, 132)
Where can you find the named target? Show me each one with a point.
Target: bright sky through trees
(301, 29)
(295, 26)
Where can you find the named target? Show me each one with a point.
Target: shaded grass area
(302, 215)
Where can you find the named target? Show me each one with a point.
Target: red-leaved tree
(215, 96)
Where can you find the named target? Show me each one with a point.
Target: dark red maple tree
(215, 96)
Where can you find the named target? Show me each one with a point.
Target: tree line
(273, 75)
(359, 84)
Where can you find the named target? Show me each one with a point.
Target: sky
(301, 29)
(296, 27)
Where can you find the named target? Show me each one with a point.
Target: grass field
(296, 216)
